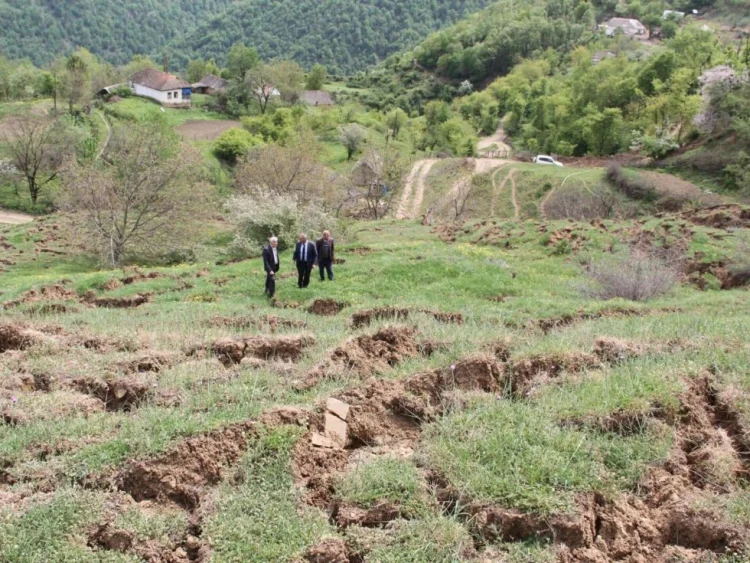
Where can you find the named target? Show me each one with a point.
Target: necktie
(304, 252)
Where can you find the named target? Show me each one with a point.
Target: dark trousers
(326, 266)
(303, 273)
(270, 284)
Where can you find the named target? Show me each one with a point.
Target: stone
(336, 429)
(320, 441)
(339, 408)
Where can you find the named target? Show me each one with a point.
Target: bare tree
(37, 151)
(460, 196)
(376, 177)
(144, 195)
(292, 170)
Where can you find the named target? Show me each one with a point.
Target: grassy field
(496, 413)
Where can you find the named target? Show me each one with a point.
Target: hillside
(490, 410)
(43, 29)
(344, 35)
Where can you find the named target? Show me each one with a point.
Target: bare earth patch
(326, 307)
(205, 129)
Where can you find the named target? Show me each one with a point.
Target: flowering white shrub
(258, 219)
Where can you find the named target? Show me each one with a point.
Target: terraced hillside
(452, 396)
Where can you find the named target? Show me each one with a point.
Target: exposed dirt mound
(366, 317)
(326, 307)
(447, 232)
(328, 551)
(381, 418)
(45, 309)
(14, 337)
(360, 250)
(366, 355)
(54, 292)
(723, 217)
(148, 363)
(230, 351)
(572, 236)
(186, 468)
(120, 394)
(529, 373)
(346, 515)
(613, 350)
(117, 302)
(547, 325)
(670, 518)
(139, 276)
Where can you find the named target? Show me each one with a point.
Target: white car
(544, 159)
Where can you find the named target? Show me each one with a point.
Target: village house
(165, 88)
(210, 84)
(628, 26)
(316, 98)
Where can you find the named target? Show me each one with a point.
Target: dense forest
(344, 35)
(42, 29)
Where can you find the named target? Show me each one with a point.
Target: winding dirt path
(498, 140)
(13, 218)
(109, 135)
(497, 190)
(514, 194)
(419, 194)
(408, 189)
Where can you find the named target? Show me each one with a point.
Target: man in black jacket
(305, 254)
(271, 265)
(325, 255)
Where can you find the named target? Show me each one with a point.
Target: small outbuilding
(628, 26)
(210, 84)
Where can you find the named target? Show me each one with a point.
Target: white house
(165, 88)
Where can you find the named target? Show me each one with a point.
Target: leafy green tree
(316, 78)
(235, 143)
(396, 120)
(196, 69)
(240, 60)
(351, 136)
(76, 79)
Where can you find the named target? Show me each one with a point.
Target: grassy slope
(527, 459)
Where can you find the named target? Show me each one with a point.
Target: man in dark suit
(325, 255)
(305, 254)
(271, 265)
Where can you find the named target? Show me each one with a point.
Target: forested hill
(344, 35)
(115, 30)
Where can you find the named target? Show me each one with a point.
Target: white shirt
(275, 255)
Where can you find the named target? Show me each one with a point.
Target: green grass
(534, 454)
(259, 520)
(389, 480)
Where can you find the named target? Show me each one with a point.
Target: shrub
(600, 202)
(630, 185)
(235, 143)
(258, 219)
(637, 276)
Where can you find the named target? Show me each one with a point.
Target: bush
(234, 143)
(632, 186)
(600, 202)
(637, 276)
(258, 219)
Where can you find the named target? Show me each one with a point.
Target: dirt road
(494, 142)
(409, 206)
(13, 218)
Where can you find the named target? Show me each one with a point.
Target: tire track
(514, 194)
(496, 190)
(408, 188)
(419, 195)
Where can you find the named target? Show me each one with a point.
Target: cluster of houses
(173, 92)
